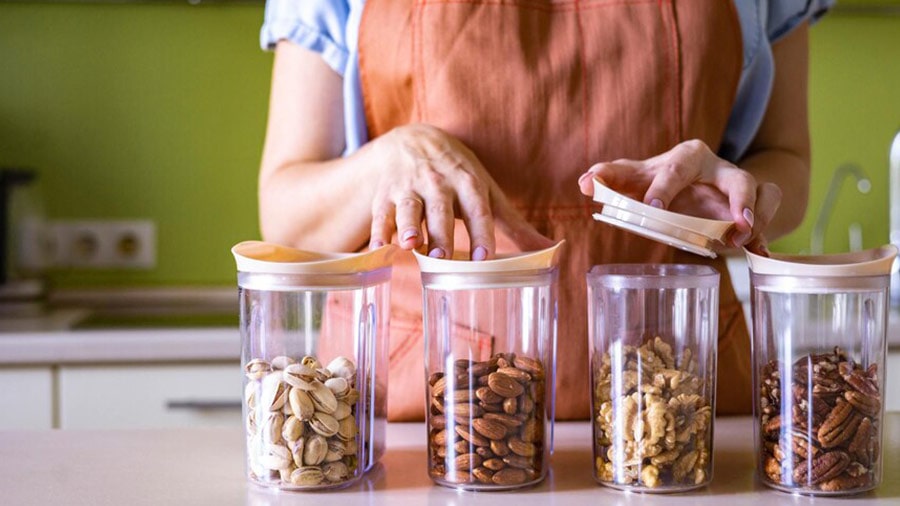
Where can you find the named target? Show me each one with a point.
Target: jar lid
(689, 233)
(872, 262)
(270, 258)
(515, 262)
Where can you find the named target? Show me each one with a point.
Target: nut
(497, 410)
(301, 423)
(653, 420)
(833, 410)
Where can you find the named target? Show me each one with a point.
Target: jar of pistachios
(314, 341)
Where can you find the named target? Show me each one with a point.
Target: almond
(491, 429)
(504, 385)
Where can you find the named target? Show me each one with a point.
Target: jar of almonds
(314, 341)
(819, 334)
(490, 360)
(653, 331)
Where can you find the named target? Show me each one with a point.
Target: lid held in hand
(689, 233)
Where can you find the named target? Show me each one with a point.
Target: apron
(540, 90)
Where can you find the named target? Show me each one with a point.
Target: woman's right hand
(426, 175)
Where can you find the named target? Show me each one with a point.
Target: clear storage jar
(490, 333)
(819, 343)
(653, 331)
(314, 341)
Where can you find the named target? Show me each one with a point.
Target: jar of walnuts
(653, 330)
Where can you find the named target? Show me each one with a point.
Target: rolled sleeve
(319, 26)
(785, 15)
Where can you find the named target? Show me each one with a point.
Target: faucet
(817, 238)
(894, 181)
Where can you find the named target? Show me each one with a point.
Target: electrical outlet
(96, 244)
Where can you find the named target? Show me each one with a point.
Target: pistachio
(275, 456)
(274, 392)
(257, 369)
(336, 450)
(251, 394)
(297, 449)
(352, 397)
(347, 428)
(282, 361)
(335, 471)
(301, 404)
(323, 398)
(299, 376)
(343, 410)
(272, 428)
(340, 387)
(311, 362)
(292, 429)
(307, 476)
(315, 450)
(342, 367)
(324, 424)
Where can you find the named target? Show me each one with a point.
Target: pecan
(861, 382)
(822, 468)
(862, 445)
(869, 405)
(846, 482)
(773, 469)
(839, 426)
(802, 445)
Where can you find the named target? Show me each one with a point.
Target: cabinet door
(26, 397)
(136, 396)
(892, 382)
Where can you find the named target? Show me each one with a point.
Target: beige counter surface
(204, 467)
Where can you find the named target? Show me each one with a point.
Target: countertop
(205, 467)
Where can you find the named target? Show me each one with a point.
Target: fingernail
(584, 176)
(748, 215)
(765, 250)
(376, 244)
(436, 253)
(741, 239)
(480, 253)
(409, 234)
(656, 203)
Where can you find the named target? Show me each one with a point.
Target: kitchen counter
(204, 466)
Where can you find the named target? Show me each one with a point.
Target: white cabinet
(892, 382)
(26, 398)
(138, 396)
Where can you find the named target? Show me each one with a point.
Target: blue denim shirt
(331, 28)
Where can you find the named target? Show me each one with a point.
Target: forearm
(318, 205)
(788, 170)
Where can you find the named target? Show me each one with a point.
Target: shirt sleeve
(317, 25)
(785, 15)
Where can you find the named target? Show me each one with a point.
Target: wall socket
(102, 244)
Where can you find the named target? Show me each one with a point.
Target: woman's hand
(425, 175)
(691, 179)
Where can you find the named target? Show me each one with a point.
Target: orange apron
(540, 90)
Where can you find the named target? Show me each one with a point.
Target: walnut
(650, 476)
(651, 422)
(692, 416)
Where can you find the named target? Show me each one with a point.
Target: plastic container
(490, 353)
(314, 341)
(653, 333)
(819, 344)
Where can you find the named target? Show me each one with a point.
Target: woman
(450, 125)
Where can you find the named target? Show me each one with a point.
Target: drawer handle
(203, 405)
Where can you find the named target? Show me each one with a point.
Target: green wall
(854, 114)
(140, 111)
(158, 111)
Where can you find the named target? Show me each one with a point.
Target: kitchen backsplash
(157, 111)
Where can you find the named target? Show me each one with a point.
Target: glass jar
(490, 355)
(819, 343)
(653, 332)
(314, 343)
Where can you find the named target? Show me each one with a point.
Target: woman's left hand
(690, 179)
